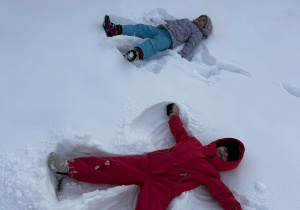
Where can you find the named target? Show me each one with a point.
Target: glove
(172, 109)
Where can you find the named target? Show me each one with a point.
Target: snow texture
(66, 87)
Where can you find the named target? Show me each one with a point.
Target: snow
(65, 87)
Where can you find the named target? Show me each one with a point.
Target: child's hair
(232, 149)
(208, 25)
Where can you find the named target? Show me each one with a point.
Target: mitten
(172, 109)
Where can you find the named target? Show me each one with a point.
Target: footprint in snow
(210, 66)
(291, 89)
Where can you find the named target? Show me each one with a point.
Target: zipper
(184, 176)
(165, 152)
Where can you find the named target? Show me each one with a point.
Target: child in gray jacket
(162, 37)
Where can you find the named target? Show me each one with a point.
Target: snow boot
(110, 28)
(135, 54)
(59, 166)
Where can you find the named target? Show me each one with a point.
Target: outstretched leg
(112, 170)
(140, 30)
(158, 43)
(159, 39)
(124, 170)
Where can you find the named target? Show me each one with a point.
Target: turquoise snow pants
(159, 39)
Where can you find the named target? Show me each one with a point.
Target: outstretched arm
(175, 123)
(191, 44)
(222, 194)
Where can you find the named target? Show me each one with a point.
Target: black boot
(110, 28)
(135, 54)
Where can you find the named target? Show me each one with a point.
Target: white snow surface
(65, 87)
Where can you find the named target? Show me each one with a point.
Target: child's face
(222, 153)
(202, 20)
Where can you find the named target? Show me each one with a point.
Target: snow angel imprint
(163, 174)
(163, 37)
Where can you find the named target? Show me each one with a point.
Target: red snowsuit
(164, 174)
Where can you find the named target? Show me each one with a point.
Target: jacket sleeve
(191, 44)
(177, 129)
(222, 194)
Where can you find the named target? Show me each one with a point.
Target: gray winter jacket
(185, 31)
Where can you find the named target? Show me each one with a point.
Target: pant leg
(159, 39)
(160, 42)
(111, 170)
(123, 171)
(140, 30)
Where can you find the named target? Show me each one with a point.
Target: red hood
(211, 152)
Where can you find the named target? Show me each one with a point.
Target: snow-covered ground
(65, 87)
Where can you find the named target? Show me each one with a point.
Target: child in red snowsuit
(163, 174)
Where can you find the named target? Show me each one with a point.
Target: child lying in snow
(163, 174)
(170, 35)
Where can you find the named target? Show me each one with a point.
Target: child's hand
(172, 110)
(181, 54)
